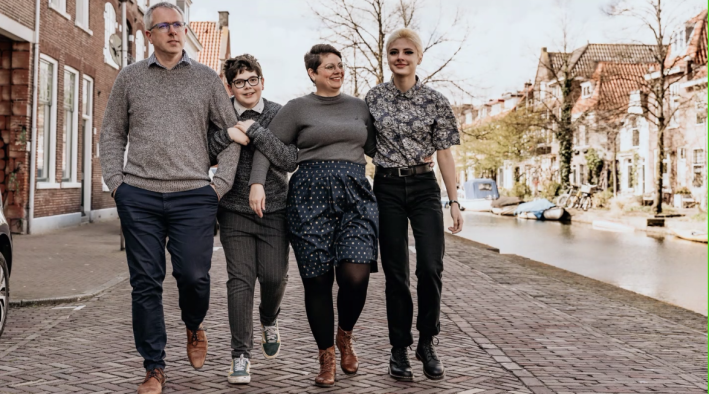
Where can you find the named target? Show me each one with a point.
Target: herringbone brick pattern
(505, 329)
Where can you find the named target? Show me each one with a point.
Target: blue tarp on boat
(537, 207)
(481, 189)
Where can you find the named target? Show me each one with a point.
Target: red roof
(697, 43)
(613, 83)
(215, 43)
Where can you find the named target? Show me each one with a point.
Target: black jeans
(417, 199)
(148, 219)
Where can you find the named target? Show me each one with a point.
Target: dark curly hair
(313, 58)
(239, 64)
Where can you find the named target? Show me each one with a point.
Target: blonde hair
(409, 35)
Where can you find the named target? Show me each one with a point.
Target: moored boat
(691, 235)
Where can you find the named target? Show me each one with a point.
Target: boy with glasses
(253, 227)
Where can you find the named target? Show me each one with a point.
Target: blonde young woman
(413, 122)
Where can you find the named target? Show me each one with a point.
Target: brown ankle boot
(348, 357)
(326, 377)
(153, 383)
(197, 347)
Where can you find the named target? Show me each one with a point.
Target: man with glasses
(253, 227)
(167, 104)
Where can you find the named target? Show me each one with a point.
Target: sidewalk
(67, 265)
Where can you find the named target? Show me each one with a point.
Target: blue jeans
(148, 219)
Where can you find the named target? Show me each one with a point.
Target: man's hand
(238, 136)
(457, 219)
(430, 161)
(244, 125)
(215, 191)
(257, 199)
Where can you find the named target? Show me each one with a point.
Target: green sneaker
(240, 372)
(270, 340)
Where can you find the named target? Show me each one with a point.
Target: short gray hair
(148, 17)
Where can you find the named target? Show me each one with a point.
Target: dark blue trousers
(149, 219)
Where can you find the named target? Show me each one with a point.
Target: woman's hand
(257, 199)
(238, 136)
(457, 219)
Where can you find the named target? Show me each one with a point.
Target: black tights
(352, 279)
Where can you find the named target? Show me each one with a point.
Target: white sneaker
(240, 372)
(270, 341)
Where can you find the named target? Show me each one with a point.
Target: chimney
(223, 19)
(544, 49)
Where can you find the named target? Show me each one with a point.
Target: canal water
(667, 269)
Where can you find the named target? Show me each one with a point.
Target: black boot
(426, 353)
(399, 365)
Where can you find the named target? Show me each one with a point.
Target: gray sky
(505, 37)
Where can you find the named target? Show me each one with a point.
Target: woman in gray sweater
(331, 210)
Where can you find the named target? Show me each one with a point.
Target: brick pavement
(68, 262)
(506, 328)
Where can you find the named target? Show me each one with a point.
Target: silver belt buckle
(404, 168)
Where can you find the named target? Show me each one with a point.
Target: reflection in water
(668, 269)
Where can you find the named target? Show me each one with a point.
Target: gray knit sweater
(313, 127)
(167, 115)
(276, 185)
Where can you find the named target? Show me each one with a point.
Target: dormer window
(586, 89)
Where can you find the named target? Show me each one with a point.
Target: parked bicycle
(583, 198)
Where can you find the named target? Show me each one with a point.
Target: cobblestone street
(507, 327)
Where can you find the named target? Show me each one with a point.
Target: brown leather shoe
(348, 357)
(197, 347)
(153, 383)
(326, 377)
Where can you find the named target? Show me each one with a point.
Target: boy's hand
(238, 136)
(257, 199)
(244, 125)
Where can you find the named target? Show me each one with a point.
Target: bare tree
(360, 28)
(660, 106)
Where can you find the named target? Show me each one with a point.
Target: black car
(5, 267)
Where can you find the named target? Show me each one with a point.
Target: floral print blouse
(411, 125)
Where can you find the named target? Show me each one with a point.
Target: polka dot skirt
(332, 216)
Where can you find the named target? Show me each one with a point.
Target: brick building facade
(74, 73)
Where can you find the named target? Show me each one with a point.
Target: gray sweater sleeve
(282, 156)
(221, 114)
(114, 133)
(285, 128)
(217, 142)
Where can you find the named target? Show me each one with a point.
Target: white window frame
(108, 31)
(83, 11)
(139, 46)
(87, 102)
(71, 182)
(60, 7)
(51, 164)
(586, 90)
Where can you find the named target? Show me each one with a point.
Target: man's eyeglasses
(240, 83)
(165, 26)
(331, 67)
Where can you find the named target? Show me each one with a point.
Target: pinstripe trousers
(255, 248)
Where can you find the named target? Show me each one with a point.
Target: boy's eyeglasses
(240, 83)
(165, 26)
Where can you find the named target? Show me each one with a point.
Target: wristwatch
(454, 201)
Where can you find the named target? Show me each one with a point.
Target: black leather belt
(404, 171)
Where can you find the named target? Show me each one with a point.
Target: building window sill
(111, 63)
(71, 185)
(48, 185)
(85, 29)
(60, 12)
